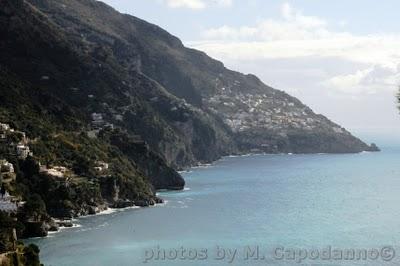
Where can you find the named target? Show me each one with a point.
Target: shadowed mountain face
(242, 112)
(117, 105)
(188, 107)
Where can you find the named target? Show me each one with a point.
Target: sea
(282, 209)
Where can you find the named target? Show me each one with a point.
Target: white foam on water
(185, 171)
(365, 152)
(105, 212)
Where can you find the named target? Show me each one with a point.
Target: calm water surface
(286, 201)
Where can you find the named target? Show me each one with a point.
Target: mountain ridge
(100, 109)
(118, 105)
(191, 75)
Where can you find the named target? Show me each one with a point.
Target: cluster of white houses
(7, 173)
(21, 150)
(244, 111)
(15, 143)
(98, 123)
(18, 148)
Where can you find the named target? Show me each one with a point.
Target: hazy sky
(342, 58)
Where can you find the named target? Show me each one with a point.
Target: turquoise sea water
(278, 203)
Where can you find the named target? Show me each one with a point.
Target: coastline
(209, 164)
(126, 245)
(110, 210)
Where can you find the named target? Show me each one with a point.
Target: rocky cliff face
(120, 104)
(242, 114)
(93, 87)
(52, 84)
(13, 253)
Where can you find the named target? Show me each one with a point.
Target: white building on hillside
(23, 151)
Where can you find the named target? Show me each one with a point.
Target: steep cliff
(112, 106)
(12, 252)
(244, 112)
(188, 107)
(50, 89)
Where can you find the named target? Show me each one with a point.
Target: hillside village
(242, 111)
(14, 145)
(98, 123)
(15, 142)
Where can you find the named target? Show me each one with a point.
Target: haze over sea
(311, 202)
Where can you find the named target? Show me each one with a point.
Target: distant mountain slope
(187, 106)
(50, 89)
(112, 106)
(258, 117)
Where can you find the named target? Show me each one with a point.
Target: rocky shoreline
(35, 229)
(71, 223)
(105, 107)
(54, 223)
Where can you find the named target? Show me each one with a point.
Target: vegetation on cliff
(100, 109)
(13, 252)
(111, 106)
